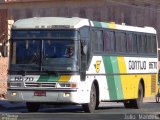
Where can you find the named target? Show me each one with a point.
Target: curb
(149, 99)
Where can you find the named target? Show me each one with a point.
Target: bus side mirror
(84, 48)
(83, 64)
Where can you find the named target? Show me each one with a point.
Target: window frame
(135, 51)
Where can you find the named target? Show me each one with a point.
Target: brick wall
(3, 75)
(3, 61)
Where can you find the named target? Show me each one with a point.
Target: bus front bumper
(67, 96)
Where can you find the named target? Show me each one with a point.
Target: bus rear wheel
(90, 107)
(32, 107)
(137, 103)
(158, 97)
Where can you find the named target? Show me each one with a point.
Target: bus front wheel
(90, 107)
(32, 107)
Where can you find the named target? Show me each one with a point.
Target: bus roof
(50, 22)
(112, 25)
(74, 22)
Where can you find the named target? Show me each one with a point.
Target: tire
(157, 97)
(32, 107)
(128, 104)
(136, 103)
(97, 104)
(90, 107)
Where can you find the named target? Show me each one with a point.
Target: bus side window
(84, 33)
(109, 41)
(145, 43)
(130, 43)
(149, 44)
(93, 39)
(85, 40)
(154, 45)
(140, 43)
(135, 48)
(97, 41)
(121, 42)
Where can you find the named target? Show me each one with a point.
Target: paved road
(111, 111)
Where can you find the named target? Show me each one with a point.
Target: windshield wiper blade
(53, 73)
(23, 72)
(20, 72)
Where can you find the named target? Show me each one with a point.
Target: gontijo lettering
(137, 65)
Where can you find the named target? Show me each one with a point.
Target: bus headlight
(67, 85)
(13, 84)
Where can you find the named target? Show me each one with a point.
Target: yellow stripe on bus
(126, 80)
(64, 78)
(130, 82)
(112, 25)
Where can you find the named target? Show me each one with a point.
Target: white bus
(78, 61)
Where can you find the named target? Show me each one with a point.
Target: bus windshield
(44, 54)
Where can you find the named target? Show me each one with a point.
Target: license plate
(40, 93)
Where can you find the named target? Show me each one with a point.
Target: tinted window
(98, 41)
(120, 42)
(130, 43)
(141, 40)
(30, 34)
(135, 43)
(149, 44)
(154, 45)
(84, 32)
(145, 43)
(109, 41)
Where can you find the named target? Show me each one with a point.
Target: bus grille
(42, 85)
(153, 84)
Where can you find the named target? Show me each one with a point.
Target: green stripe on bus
(104, 25)
(117, 78)
(114, 82)
(110, 78)
(48, 79)
(97, 24)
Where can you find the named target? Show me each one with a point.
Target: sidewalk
(149, 99)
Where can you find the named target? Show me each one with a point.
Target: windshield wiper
(23, 72)
(20, 72)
